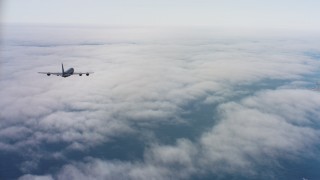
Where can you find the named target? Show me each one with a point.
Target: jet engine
(48, 74)
(87, 74)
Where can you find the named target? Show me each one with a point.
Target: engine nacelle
(80, 74)
(87, 74)
(48, 74)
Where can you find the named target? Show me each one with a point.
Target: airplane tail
(62, 68)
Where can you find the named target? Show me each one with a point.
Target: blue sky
(284, 14)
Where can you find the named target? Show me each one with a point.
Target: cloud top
(147, 78)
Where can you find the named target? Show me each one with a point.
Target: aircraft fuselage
(68, 72)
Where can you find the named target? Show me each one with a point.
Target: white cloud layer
(246, 138)
(144, 77)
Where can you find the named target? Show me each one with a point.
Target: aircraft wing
(53, 73)
(79, 73)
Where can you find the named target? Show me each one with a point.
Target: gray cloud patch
(145, 78)
(249, 134)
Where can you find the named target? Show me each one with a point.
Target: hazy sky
(291, 14)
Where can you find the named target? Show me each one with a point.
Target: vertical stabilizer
(62, 69)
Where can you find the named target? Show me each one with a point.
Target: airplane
(66, 73)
